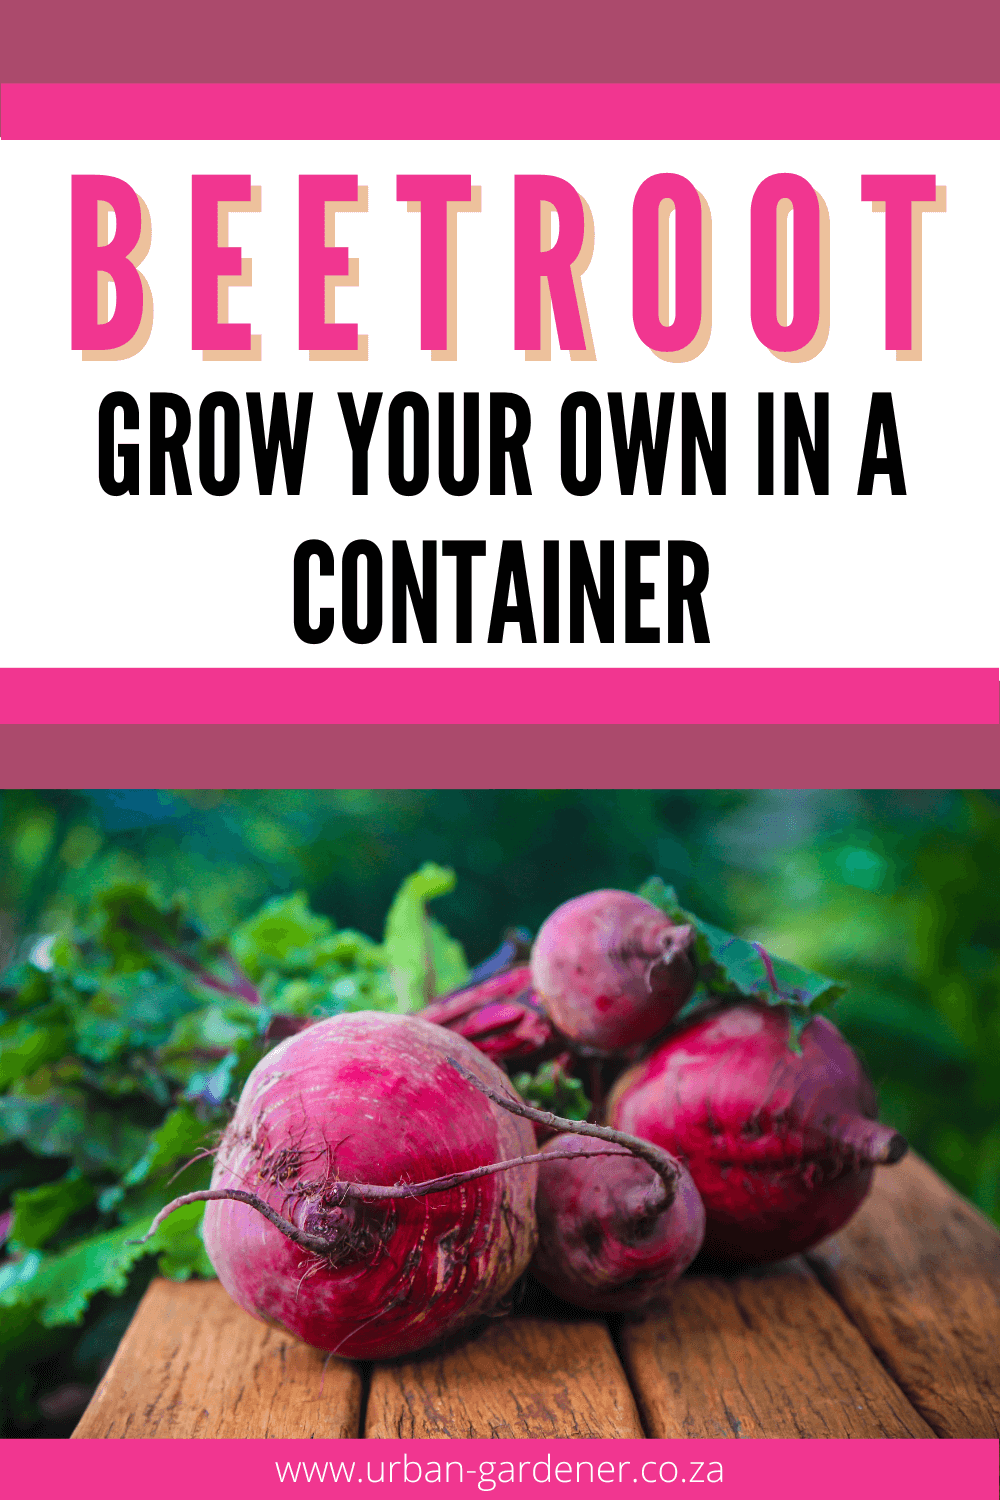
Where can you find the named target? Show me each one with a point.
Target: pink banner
(824, 1469)
(508, 111)
(499, 695)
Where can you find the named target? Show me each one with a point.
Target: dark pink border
(448, 111)
(540, 41)
(500, 695)
(900, 756)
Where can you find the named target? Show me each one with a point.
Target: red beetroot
(610, 1237)
(611, 970)
(781, 1145)
(334, 1135)
(502, 1016)
(615, 1231)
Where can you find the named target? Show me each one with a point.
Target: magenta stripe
(94, 1468)
(499, 695)
(343, 111)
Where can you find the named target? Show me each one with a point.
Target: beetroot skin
(370, 1098)
(608, 1238)
(611, 970)
(781, 1145)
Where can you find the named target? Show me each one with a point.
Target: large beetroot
(781, 1144)
(611, 970)
(334, 1210)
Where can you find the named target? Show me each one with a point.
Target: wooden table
(890, 1329)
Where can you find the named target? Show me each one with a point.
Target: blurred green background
(895, 892)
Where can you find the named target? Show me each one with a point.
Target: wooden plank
(763, 1355)
(194, 1365)
(918, 1271)
(526, 1377)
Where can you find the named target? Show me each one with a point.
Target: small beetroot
(781, 1144)
(616, 1226)
(610, 1237)
(611, 970)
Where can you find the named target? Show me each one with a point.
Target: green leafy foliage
(27, 1044)
(423, 960)
(733, 968)
(39, 1213)
(551, 1087)
(303, 966)
(131, 924)
(124, 1044)
(58, 1288)
(181, 1136)
(284, 937)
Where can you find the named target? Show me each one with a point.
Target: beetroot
(502, 1016)
(320, 1217)
(609, 1237)
(611, 970)
(616, 1227)
(781, 1144)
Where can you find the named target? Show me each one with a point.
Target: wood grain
(764, 1355)
(898, 1335)
(918, 1271)
(529, 1377)
(193, 1365)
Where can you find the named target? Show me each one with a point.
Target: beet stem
(208, 1195)
(366, 1192)
(661, 1162)
(765, 959)
(369, 1191)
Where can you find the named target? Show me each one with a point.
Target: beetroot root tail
(237, 1195)
(874, 1144)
